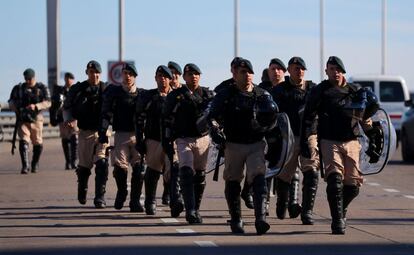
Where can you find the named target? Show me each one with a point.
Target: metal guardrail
(8, 119)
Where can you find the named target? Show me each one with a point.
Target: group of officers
(168, 131)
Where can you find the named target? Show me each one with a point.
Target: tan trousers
(90, 150)
(124, 152)
(304, 164)
(237, 156)
(342, 158)
(32, 131)
(193, 152)
(66, 132)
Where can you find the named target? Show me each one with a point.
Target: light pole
(322, 66)
(384, 37)
(236, 28)
(121, 29)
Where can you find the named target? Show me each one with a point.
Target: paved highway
(39, 214)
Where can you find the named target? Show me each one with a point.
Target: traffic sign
(115, 71)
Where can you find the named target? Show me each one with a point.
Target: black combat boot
(246, 195)
(24, 156)
(282, 191)
(73, 151)
(187, 185)
(166, 193)
(232, 192)
(37, 151)
(83, 174)
(294, 207)
(176, 201)
(66, 152)
(350, 192)
(310, 186)
(137, 180)
(151, 181)
(199, 186)
(120, 176)
(259, 199)
(101, 177)
(335, 198)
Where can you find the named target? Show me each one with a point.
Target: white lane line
(185, 230)
(373, 184)
(409, 196)
(169, 220)
(392, 190)
(205, 243)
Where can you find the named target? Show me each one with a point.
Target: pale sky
(201, 32)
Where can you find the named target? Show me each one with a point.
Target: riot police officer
(291, 95)
(118, 109)
(148, 135)
(333, 102)
(183, 107)
(68, 134)
(246, 113)
(246, 194)
(27, 100)
(83, 103)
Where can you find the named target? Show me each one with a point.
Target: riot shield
(284, 143)
(388, 147)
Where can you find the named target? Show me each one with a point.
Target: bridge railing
(8, 119)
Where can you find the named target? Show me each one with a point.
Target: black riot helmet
(264, 113)
(372, 103)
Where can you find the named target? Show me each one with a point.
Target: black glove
(141, 147)
(376, 141)
(305, 150)
(217, 136)
(102, 138)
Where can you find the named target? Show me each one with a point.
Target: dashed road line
(409, 196)
(185, 230)
(392, 190)
(205, 243)
(373, 184)
(169, 220)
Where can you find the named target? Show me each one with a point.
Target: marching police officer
(68, 134)
(148, 136)
(245, 112)
(27, 100)
(183, 107)
(291, 95)
(83, 103)
(118, 109)
(246, 194)
(333, 102)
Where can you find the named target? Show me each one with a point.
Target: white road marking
(409, 196)
(169, 220)
(373, 184)
(205, 243)
(185, 230)
(392, 190)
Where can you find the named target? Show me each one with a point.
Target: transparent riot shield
(284, 144)
(388, 146)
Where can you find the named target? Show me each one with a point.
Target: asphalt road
(39, 214)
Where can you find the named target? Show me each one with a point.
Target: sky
(202, 32)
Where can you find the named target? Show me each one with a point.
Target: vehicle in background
(392, 93)
(407, 134)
